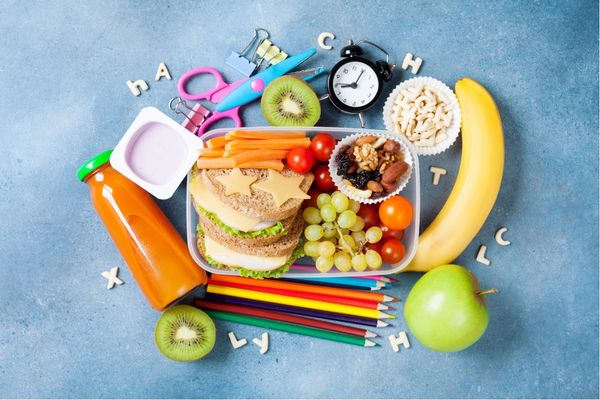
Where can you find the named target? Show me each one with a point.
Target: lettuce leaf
(249, 273)
(270, 231)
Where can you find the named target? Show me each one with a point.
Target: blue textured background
(63, 67)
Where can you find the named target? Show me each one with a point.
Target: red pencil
(306, 295)
(292, 319)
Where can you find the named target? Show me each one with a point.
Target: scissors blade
(253, 88)
(308, 74)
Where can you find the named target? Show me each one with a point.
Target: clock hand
(343, 84)
(356, 81)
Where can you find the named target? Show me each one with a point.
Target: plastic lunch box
(411, 192)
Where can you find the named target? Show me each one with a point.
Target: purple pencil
(296, 310)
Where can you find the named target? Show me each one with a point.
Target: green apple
(446, 310)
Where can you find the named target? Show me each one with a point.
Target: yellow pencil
(297, 302)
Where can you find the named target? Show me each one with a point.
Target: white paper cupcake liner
(443, 92)
(347, 141)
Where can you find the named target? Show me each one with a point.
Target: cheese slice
(229, 257)
(235, 219)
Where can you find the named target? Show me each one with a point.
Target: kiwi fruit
(289, 101)
(185, 333)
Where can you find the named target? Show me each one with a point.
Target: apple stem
(489, 291)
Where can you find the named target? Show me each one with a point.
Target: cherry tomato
(312, 202)
(322, 146)
(368, 212)
(323, 180)
(300, 160)
(392, 251)
(396, 212)
(390, 233)
(373, 246)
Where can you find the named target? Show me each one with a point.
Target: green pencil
(287, 327)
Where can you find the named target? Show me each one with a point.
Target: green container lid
(93, 164)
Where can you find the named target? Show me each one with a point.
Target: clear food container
(411, 191)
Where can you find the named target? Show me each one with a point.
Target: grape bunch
(335, 235)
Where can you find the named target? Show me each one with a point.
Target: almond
(374, 186)
(365, 139)
(393, 172)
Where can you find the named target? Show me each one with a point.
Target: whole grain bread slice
(260, 204)
(284, 246)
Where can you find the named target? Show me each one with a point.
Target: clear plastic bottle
(152, 248)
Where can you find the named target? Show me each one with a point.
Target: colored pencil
(312, 268)
(291, 328)
(305, 287)
(332, 285)
(375, 323)
(351, 282)
(298, 302)
(283, 317)
(305, 295)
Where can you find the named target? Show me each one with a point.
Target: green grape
(374, 234)
(359, 238)
(328, 213)
(346, 219)
(340, 201)
(373, 259)
(326, 248)
(323, 199)
(359, 262)
(345, 231)
(324, 264)
(353, 205)
(350, 241)
(358, 225)
(311, 215)
(313, 232)
(342, 261)
(311, 248)
(328, 230)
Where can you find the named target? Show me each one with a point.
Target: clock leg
(361, 117)
(324, 97)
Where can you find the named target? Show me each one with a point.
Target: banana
(477, 184)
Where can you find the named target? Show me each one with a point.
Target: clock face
(355, 85)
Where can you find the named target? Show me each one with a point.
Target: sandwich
(247, 221)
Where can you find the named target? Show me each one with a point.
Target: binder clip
(194, 116)
(270, 53)
(239, 62)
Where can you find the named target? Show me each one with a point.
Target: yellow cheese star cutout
(236, 182)
(282, 188)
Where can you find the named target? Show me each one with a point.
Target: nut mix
(371, 167)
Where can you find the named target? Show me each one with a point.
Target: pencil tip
(369, 343)
(387, 298)
(382, 324)
(369, 334)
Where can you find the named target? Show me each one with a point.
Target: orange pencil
(301, 287)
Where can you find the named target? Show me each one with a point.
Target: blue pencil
(349, 281)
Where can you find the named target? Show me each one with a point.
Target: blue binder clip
(239, 62)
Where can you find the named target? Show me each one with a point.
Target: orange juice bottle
(153, 250)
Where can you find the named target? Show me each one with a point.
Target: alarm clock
(355, 83)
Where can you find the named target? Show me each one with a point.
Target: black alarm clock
(355, 83)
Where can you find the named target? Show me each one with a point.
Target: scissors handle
(208, 95)
(232, 114)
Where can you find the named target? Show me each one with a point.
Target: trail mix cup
(370, 168)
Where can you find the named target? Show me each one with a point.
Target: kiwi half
(185, 333)
(289, 101)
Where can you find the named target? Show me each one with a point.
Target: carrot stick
(235, 134)
(205, 152)
(277, 165)
(281, 144)
(213, 163)
(216, 143)
(231, 153)
(259, 155)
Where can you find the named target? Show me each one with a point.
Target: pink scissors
(214, 95)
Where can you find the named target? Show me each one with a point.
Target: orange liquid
(152, 248)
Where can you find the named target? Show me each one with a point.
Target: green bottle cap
(93, 164)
